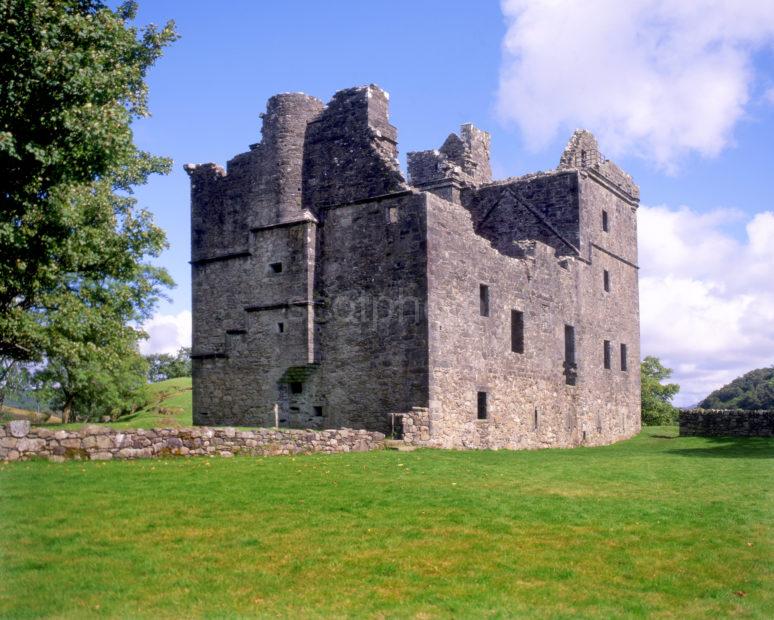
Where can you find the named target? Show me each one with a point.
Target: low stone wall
(19, 441)
(727, 422)
(413, 427)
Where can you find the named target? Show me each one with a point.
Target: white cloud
(167, 333)
(656, 78)
(707, 299)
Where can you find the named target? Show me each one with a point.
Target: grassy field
(169, 407)
(656, 526)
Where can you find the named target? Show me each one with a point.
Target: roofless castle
(485, 313)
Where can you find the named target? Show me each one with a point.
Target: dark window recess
(280, 328)
(482, 410)
(483, 294)
(605, 222)
(570, 367)
(606, 280)
(607, 350)
(624, 361)
(537, 419)
(517, 331)
(318, 411)
(296, 387)
(276, 267)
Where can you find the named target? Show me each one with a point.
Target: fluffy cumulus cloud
(657, 78)
(167, 333)
(707, 298)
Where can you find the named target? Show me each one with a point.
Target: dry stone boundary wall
(727, 422)
(20, 441)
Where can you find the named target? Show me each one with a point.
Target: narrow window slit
(482, 407)
(483, 293)
(570, 367)
(517, 331)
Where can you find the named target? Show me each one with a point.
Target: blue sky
(683, 101)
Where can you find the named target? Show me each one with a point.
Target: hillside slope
(169, 406)
(754, 390)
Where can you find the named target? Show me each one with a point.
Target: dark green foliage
(162, 366)
(753, 390)
(657, 408)
(71, 82)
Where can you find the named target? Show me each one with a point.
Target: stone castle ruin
(330, 291)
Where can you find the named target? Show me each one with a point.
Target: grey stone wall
(375, 309)
(19, 441)
(372, 275)
(351, 149)
(530, 404)
(727, 423)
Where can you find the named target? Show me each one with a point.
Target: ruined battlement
(582, 153)
(331, 291)
(462, 158)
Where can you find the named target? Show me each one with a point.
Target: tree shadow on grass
(732, 448)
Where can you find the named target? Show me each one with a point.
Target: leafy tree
(92, 361)
(753, 390)
(102, 383)
(15, 378)
(657, 408)
(72, 79)
(163, 366)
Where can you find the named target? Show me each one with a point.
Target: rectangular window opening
(318, 411)
(296, 387)
(482, 409)
(624, 356)
(276, 267)
(517, 331)
(607, 355)
(570, 367)
(605, 222)
(483, 294)
(537, 419)
(280, 328)
(606, 280)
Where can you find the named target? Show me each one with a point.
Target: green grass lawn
(657, 526)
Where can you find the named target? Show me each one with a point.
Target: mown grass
(656, 526)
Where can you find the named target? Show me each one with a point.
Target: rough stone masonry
(330, 291)
(20, 442)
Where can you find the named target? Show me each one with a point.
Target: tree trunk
(68, 407)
